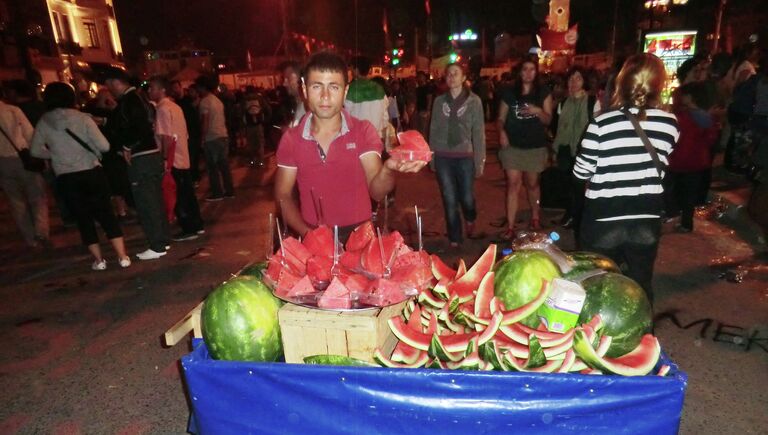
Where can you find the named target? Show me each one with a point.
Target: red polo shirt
(336, 180)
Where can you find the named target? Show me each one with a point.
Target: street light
(663, 4)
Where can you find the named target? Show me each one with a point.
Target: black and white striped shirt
(623, 181)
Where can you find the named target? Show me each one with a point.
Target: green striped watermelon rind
(239, 321)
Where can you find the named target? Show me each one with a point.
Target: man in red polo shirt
(333, 157)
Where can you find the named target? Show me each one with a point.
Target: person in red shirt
(691, 161)
(333, 158)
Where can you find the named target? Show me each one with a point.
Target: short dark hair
(699, 93)
(59, 95)
(206, 82)
(326, 62)
(161, 81)
(584, 75)
(362, 64)
(292, 64)
(457, 65)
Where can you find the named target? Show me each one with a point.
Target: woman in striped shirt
(624, 195)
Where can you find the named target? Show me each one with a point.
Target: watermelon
(302, 287)
(239, 321)
(319, 269)
(623, 306)
(337, 360)
(582, 261)
(296, 255)
(412, 270)
(360, 237)
(285, 282)
(440, 270)
(466, 286)
(412, 147)
(640, 361)
(356, 283)
(255, 270)
(519, 278)
(351, 260)
(371, 259)
(335, 297)
(319, 241)
(383, 292)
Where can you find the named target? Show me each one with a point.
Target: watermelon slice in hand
(336, 296)
(412, 147)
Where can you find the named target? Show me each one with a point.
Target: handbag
(660, 167)
(31, 164)
(82, 143)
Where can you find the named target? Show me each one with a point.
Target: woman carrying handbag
(622, 157)
(74, 144)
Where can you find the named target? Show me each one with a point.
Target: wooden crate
(309, 332)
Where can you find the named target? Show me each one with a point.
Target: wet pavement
(83, 352)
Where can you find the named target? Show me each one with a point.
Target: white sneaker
(149, 255)
(99, 265)
(125, 262)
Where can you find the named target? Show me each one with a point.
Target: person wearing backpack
(131, 126)
(573, 116)
(74, 144)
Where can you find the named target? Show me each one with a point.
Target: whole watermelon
(239, 321)
(583, 261)
(623, 306)
(255, 270)
(518, 279)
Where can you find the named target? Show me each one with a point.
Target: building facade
(59, 40)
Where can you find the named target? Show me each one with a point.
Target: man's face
(155, 92)
(325, 92)
(291, 81)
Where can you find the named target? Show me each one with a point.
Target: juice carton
(560, 311)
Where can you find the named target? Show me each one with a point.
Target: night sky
(230, 27)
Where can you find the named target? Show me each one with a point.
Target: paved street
(82, 350)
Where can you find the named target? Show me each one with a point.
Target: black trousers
(682, 191)
(146, 175)
(187, 209)
(633, 243)
(87, 195)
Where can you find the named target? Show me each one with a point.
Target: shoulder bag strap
(646, 142)
(2, 130)
(81, 142)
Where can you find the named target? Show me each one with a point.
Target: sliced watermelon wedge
(466, 286)
(440, 270)
(360, 237)
(351, 260)
(301, 287)
(482, 308)
(415, 339)
(522, 366)
(319, 241)
(570, 358)
(336, 296)
(380, 358)
(426, 298)
(437, 350)
(461, 270)
(405, 354)
(638, 362)
(520, 313)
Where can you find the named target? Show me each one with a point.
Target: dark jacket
(131, 124)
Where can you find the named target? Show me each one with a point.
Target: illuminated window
(57, 25)
(66, 35)
(92, 37)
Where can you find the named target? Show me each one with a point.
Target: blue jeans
(456, 178)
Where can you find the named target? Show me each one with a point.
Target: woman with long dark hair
(525, 112)
(74, 144)
(624, 198)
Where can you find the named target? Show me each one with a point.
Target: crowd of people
(632, 159)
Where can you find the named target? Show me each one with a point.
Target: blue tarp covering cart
(277, 398)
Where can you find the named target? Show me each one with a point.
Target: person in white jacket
(25, 190)
(74, 144)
